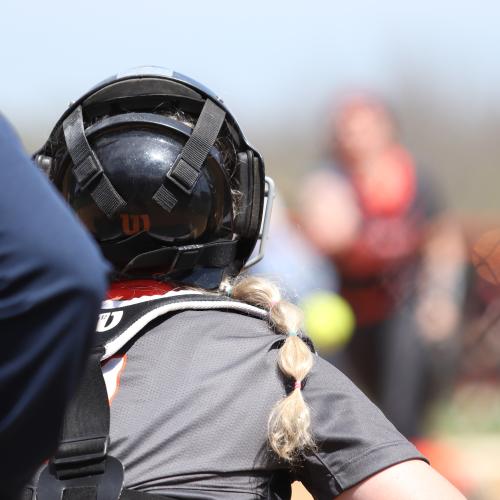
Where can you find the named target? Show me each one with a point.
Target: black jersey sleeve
(354, 438)
(52, 280)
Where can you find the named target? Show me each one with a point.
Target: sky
(266, 59)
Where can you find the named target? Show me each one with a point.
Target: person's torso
(190, 398)
(380, 264)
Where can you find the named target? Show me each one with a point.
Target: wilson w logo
(108, 320)
(133, 224)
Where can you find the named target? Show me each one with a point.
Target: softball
(329, 321)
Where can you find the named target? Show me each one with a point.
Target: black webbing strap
(186, 169)
(85, 432)
(81, 469)
(87, 168)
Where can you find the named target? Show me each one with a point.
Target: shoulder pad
(117, 326)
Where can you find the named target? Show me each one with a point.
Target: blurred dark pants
(396, 368)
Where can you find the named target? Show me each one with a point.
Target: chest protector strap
(82, 469)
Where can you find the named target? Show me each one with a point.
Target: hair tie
(297, 385)
(292, 334)
(273, 303)
(227, 289)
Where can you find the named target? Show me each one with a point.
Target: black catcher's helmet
(159, 171)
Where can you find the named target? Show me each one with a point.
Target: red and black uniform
(378, 273)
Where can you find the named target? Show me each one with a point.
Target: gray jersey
(190, 399)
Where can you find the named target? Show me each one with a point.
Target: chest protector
(82, 469)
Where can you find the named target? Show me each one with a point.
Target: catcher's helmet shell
(160, 173)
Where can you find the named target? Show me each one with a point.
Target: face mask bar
(269, 195)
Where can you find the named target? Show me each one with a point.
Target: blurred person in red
(400, 261)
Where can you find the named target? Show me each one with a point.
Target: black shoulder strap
(84, 442)
(81, 468)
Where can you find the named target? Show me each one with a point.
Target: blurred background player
(372, 212)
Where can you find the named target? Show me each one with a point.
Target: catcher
(201, 384)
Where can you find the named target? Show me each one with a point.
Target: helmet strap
(87, 168)
(186, 169)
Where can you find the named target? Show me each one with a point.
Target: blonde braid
(289, 422)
